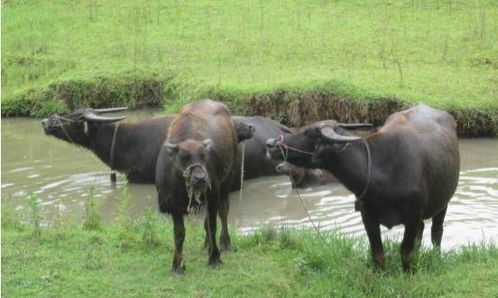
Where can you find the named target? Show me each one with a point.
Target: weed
(36, 217)
(149, 223)
(92, 221)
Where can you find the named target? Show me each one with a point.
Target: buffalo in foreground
(195, 167)
(405, 172)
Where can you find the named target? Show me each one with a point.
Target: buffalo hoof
(178, 270)
(205, 247)
(225, 247)
(215, 263)
(407, 268)
(178, 267)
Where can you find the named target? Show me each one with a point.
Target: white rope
(242, 170)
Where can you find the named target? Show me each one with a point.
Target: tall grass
(93, 218)
(64, 261)
(441, 53)
(35, 213)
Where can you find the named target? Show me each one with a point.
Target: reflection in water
(62, 175)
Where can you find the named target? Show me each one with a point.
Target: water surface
(62, 175)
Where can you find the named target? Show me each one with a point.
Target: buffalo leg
(373, 232)
(225, 244)
(214, 252)
(206, 238)
(179, 232)
(420, 232)
(437, 228)
(411, 232)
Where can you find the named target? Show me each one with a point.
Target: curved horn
(96, 118)
(355, 125)
(171, 148)
(330, 134)
(110, 110)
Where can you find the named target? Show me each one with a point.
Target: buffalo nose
(271, 143)
(199, 176)
(44, 122)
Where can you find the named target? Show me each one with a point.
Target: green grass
(134, 259)
(68, 262)
(444, 53)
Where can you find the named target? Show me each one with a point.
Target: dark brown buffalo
(405, 172)
(302, 177)
(195, 167)
(136, 145)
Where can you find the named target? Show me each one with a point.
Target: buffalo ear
(329, 134)
(171, 148)
(207, 144)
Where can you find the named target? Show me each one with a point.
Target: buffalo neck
(101, 141)
(350, 166)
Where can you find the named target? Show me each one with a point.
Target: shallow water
(62, 175)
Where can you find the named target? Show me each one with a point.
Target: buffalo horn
(330, 134)
(110, 110)
(355, 125)
(170, 147)
(96, 118)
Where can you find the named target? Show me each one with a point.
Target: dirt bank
(292, 106)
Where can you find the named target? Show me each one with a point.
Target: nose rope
(190, 190)
(286, 148)
(70, 139)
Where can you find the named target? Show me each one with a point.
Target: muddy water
(62, 175)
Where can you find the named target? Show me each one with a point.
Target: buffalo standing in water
(302, 177)
(195, 167)
(136, 145)
(405, 172)
(130, 148)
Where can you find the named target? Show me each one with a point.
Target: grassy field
(132, 257)
(63, 54)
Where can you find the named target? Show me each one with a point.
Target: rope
(320, 235)
(287, 147)
(84, 153)
(113, 145)
(190, 191)
(242, 170)
(309, 217)
(369, 171)
(365, 188)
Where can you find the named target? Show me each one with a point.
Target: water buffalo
(195, 166)
(302, 177)
(136, 145)
(403, 173)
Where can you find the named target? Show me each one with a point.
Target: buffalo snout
(282, 168)
(199, 179)
(271, 143)
(273, 149)
(198, 176)
(48, 125)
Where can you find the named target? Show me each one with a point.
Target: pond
(62, 176)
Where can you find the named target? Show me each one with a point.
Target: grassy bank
(58, 55)
(131, 257)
